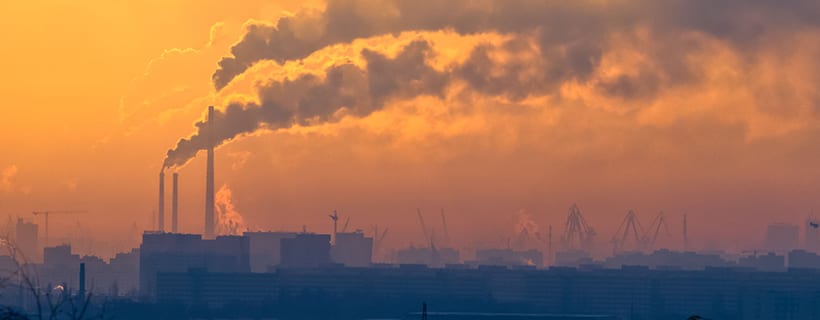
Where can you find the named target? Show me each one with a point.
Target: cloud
(174, 81)
(7, 178)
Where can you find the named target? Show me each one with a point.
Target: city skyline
(711, 117)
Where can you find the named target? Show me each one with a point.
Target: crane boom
(655, 228)
(45, 215)
(423, 226)
(632, 225)
(444, 225)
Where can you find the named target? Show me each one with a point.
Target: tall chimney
(161, 214)
(209, 179)
(82, 280)
(174, 203)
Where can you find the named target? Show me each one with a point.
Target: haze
(495, 113)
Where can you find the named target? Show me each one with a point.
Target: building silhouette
(27, 240)
(170, 252)
(508, 257)
(265, 249)
(563, 292)
(352, 249)
(306, 250)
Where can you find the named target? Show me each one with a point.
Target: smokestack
(161, 216)
(209, 179)
(82, 280)
(174, 202)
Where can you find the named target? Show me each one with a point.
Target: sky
(502, 113)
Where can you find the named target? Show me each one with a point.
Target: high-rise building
(170, 252)
(782, 237)
(352, 249)
(27, 241)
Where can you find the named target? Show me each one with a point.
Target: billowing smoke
(526, 231)
(229, 221)
(348, 89)
(525, 224)
(548, 43)
(741, 22)
(308, 98)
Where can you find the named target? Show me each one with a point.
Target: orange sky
(718, 121)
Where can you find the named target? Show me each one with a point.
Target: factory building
(265, 249)
(306, 250)
(352, 249)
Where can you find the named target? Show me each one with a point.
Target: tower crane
(427, 238)
(632, 225)
(45, 215)
(444, 226)
(578, 235)
(655, 228)
(378, 239)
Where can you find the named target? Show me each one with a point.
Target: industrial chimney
(161, 215)
(174, 202)
(209, 179)
(82, 280)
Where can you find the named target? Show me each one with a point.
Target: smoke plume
(294, 37)
(229, 221)
(548, 44)
(307, 99)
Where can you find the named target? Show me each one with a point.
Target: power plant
(210, 205)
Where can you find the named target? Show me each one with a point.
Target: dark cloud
(644, 85)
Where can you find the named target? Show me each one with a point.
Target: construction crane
(344, 227)
(45, 215)
(577, 233)
(630, 225)
(655, 228)
(378, 239)
(444, 225)
(423, 227)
